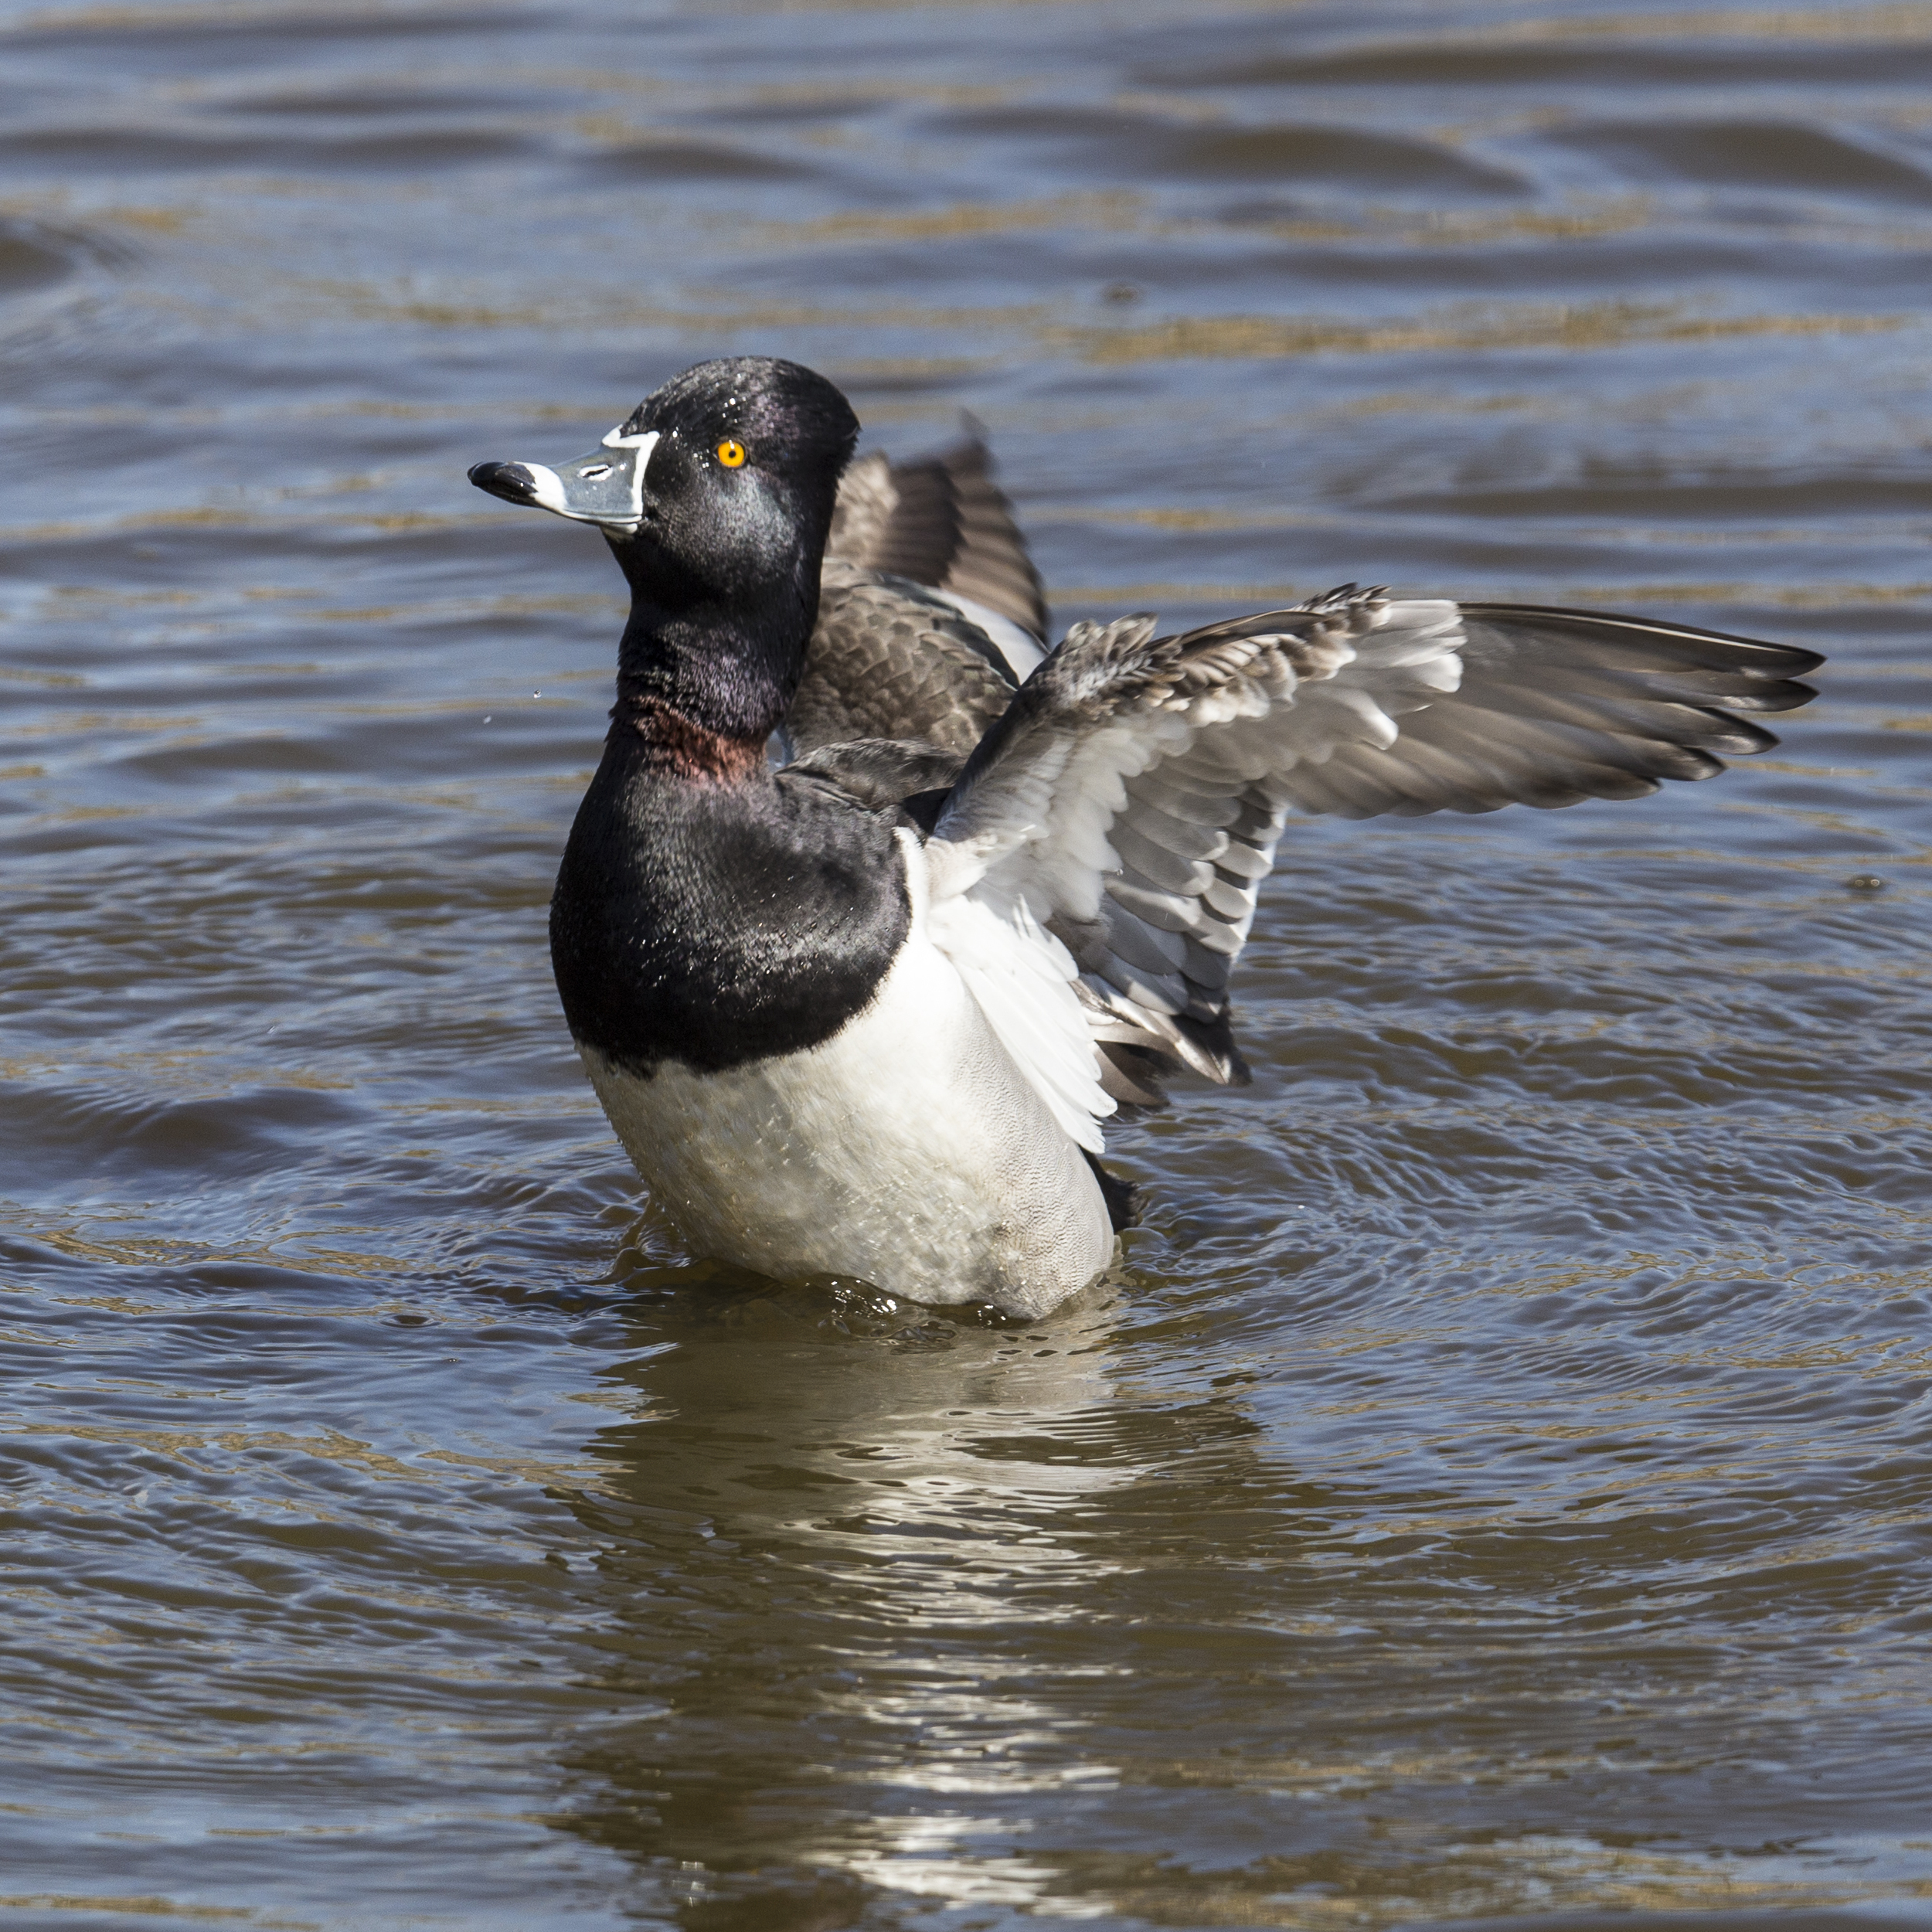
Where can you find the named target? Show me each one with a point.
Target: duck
(860, 1009)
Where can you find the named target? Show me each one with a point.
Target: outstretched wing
(1129, 802)
(1554, 706)
(930, 611)
(943, 521)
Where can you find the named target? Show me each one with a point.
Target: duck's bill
(605, 488)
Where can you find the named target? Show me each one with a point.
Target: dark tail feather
(1118, 1195)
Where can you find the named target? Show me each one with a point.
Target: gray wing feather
(993, 566)
(1172, 764)
(888, 658)
(943, 521)
(880, 773)
(1555, 707)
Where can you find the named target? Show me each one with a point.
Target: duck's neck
(702, 681)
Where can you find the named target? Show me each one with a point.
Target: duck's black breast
(716, 924)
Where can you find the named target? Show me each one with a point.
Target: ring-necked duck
(861, 1014)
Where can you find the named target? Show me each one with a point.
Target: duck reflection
(853, 1556)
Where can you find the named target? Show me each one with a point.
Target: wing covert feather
(888, 660)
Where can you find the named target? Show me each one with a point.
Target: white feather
(1021, 978)
(1023, 652)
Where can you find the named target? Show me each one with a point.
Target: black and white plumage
(864, 1014)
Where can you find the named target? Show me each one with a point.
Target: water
(1496, 1481)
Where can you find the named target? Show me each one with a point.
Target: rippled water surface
(1498, 1480)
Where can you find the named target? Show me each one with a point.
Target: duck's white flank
(911, 1149)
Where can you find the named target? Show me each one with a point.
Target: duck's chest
(800, 1075)
(713, 926)
(907, 1150)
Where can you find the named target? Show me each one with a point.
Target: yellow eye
(731, 454)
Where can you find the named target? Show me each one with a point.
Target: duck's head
(717, 487)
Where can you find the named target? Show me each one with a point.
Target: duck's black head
(716, 494)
